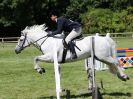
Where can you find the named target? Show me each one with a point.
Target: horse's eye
(21, 38)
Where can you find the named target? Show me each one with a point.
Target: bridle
(25, 39)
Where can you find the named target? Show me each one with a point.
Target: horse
(52, 51)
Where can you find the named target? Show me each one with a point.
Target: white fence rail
(116, 35)
(113, 35)
(4, 40)
(9, 39)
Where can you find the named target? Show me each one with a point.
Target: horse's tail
(113, 45)
(112, 69)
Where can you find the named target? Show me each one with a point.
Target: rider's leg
(72, 49)
(65, 44)
(73, 34)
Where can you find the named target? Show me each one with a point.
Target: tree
(105, 20)
(17, 14)
(75, 8)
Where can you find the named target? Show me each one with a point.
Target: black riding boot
(72, 50)
(65, 44)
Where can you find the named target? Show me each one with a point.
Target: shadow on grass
(69, 96)
(118, 94)
(86, 95)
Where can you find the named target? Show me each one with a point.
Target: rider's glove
(49, 34)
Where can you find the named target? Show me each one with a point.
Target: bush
(105, 20)
(97, 20)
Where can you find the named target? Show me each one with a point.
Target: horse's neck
(46, 43)
(36, 39)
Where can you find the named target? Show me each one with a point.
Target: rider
(70, 28)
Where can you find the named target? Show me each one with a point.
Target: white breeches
(73, 34)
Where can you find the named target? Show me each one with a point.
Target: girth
(65, 50)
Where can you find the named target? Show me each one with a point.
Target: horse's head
(22, 42)
(27, 36)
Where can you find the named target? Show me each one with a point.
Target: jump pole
(95, 90)
(92, 61)
(124, 48)
(125, 57)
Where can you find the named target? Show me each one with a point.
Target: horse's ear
(43, 26)
(26, 27)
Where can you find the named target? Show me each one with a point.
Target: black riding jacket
(65, 25)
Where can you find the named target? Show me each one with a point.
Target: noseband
(25, 39)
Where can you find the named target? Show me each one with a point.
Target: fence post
(3, 42)
(132, 36)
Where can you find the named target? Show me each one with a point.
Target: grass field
(18, 79)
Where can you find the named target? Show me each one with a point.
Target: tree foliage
(75, 8)
(17, 14)
(105, 20)
(95, 15)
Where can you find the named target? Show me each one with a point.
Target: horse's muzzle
(17, 51)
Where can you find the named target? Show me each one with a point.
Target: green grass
(18, 79)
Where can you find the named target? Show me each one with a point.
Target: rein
(25, 39)
(41, 43)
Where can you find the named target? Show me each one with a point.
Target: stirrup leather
(72, 50)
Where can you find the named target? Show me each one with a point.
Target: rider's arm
(59, 27)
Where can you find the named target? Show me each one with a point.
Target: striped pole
(125, 56)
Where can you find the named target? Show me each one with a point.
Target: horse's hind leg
(89, 73)
(115, 68)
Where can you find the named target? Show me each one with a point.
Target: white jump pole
(57, 75)
(92, 60)
(57, 79)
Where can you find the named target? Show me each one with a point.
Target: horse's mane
(39, 29)
(35, 28)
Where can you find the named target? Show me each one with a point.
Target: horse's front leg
(38, 59)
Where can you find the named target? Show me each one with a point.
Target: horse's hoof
(124, 77)
(128, 78)
(41, 71)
